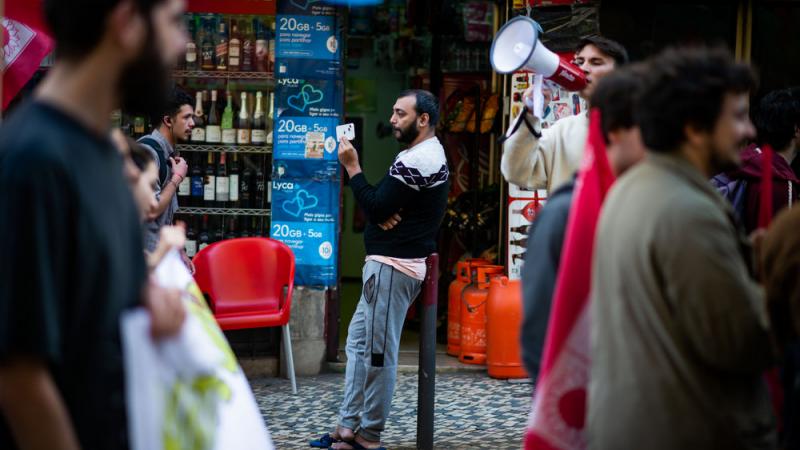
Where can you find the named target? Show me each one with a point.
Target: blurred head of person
(695, 102)
(777, 121)
(615, 97)
(136, 41)
(145, 180)
(597, 56)
(414, 116)
(176, 121)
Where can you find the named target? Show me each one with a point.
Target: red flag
(559, 402)
(765, 203)
(25, 44)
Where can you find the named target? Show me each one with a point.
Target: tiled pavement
(472, 411)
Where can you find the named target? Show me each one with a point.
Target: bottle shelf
(225, 211)
(264, 149)
(264, 76)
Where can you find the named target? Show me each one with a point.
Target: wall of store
(377, 154)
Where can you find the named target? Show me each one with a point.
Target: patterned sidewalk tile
(472, 411)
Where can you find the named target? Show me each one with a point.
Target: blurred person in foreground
(680, 337)
(71, 248)
(615, 97)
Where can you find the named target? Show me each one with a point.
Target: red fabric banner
(559, 404)
(25, 44)
(765, 206)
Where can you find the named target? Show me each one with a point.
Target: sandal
(325, 441)
(356, 446)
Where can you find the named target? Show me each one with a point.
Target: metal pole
(427, 355)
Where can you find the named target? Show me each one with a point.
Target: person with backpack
(174, 125)
(777, 122)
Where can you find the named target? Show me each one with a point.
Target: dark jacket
(785, 185)
(539, 274)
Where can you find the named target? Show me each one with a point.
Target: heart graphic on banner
(301, 202)
(298, 101)
(303, 4)
(312, 95)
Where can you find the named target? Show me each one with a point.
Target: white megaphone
(517, 46)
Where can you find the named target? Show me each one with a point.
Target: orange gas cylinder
(464, 273)
(473, 316)
(503, 321)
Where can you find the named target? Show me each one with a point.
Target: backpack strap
(162, 162)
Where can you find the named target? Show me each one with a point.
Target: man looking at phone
(417, 185)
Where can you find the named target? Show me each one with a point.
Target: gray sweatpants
(373, 342)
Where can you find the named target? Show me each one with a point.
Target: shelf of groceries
(229, 46)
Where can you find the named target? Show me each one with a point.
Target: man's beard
(145, 83)
(408, 134)
(720, 162)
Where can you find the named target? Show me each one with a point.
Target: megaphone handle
(538, 98)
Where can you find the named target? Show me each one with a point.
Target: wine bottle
(199, 130)
(191, 240)
(223, 184)
(245, 230)
(207, 48)
(190, 59)
(245, 185)
(231, 233)
(185, 191)
(197, 181)
(248, 47)
(234, 48)
(203, 239)
(261, 54)
(209, 186)
(518, 256)
(243, 126)
(268, 124)
(260, 187)
(522, 229)
(258, 135)
(234, 181)
(228, 132)
(213, 129)
(523, 242)
(222, 46)
(219, 231)
(271, 49)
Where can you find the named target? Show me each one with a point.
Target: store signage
(306, 177)
(307, 46)
(304, 217)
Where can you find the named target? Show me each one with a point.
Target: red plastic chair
(249, 283)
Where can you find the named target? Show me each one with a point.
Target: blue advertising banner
(306, 138)
(309, 97)
(306, 118)
(308, 46)
(304, 217)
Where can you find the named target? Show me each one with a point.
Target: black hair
(177, 98)
(609, 47)
(615, 96)
(777, 118)
(687, 86)
(139, 155)
(65, 18)
(427, 103)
